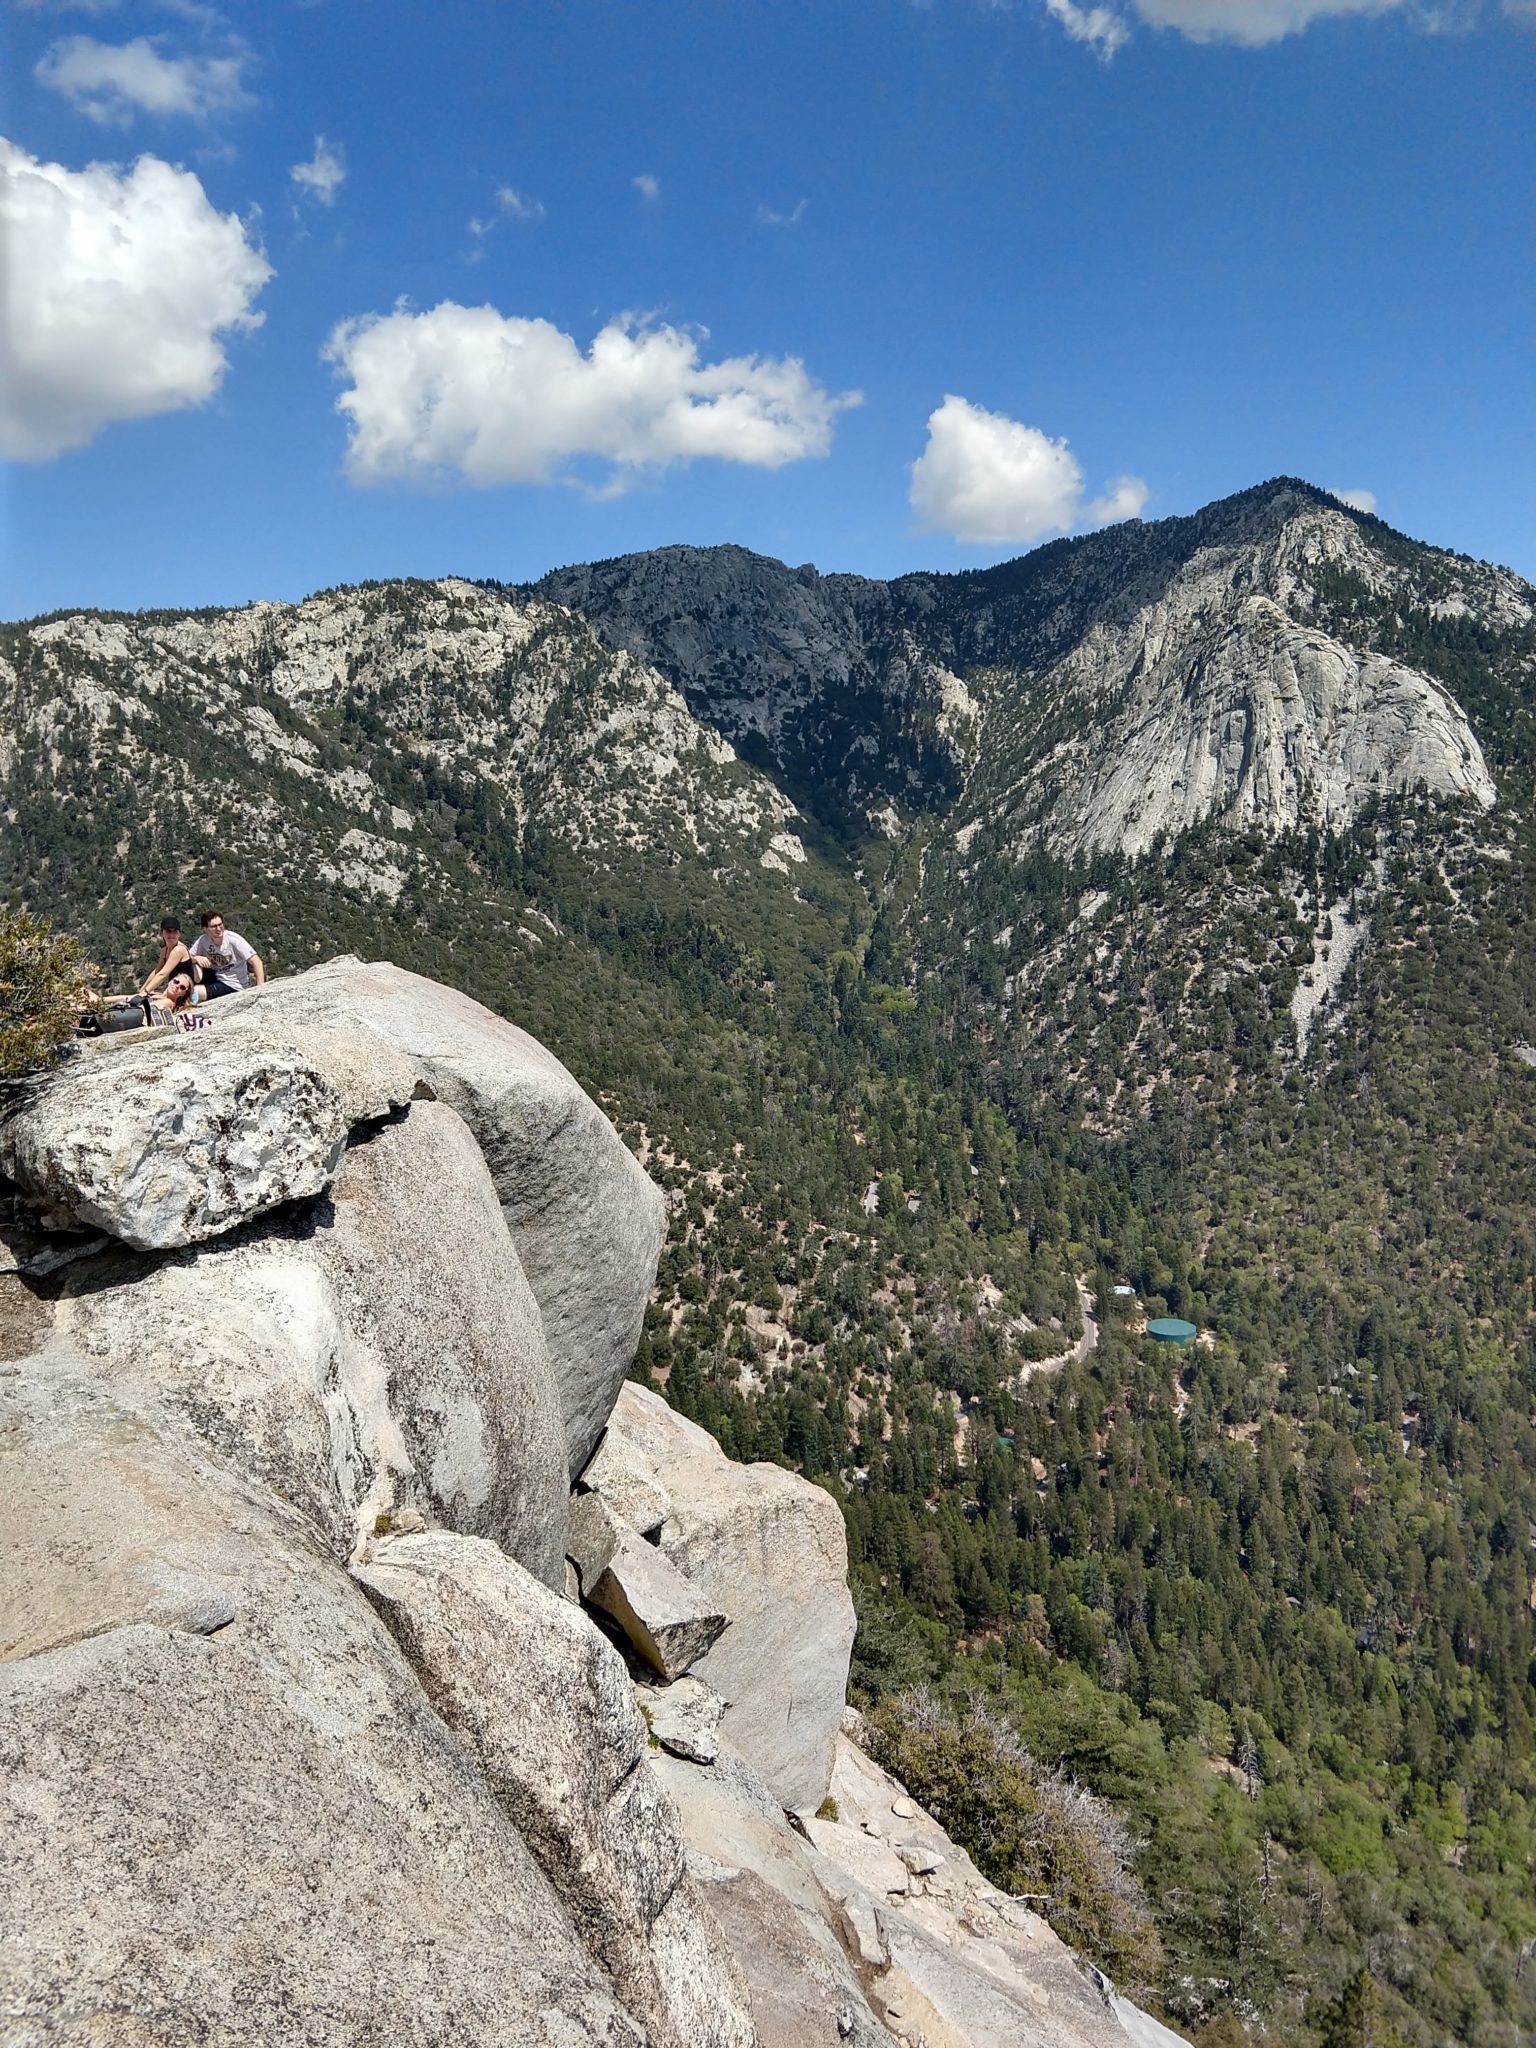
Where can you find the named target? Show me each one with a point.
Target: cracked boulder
(173, 1140)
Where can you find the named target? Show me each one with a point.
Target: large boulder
(173, 1139)
(384, 1350)
(230, 1813)
(768, 1549)
(543, 1705)
(371, 1078)
(587, 1221)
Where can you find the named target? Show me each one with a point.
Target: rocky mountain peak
(1276, 660)
(1127, 685)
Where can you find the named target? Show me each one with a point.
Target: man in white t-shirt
(230, 963)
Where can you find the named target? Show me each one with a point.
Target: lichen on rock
(172, 1141)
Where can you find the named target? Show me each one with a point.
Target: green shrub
(1033, 1345)
(44, 976)
(1034, 1832)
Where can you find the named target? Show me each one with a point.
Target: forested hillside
(947, 984)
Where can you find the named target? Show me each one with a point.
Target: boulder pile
(737, 1574)
(329, 1713)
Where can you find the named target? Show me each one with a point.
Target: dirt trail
(1085, 1346)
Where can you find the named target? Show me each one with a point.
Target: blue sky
(1072, 261)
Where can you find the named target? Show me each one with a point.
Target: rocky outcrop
(230, 1811)
(300, 1738)
(586, 1221)
(383, 1350)
(486, 1638)
(168, 1144)
(247, 1793)
(1143, 681)
(769, 1551)
(872, 1924)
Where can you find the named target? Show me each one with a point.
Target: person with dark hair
(229, 962)
(173, 950)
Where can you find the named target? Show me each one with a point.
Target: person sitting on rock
(173, 950)
(230, 963)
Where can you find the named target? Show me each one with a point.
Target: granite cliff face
(1101, 693)
(1222, 699)
(307, 1730)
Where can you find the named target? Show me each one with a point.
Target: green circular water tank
(1171, 1330)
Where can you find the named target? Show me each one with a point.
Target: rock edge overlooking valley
(310, 1730)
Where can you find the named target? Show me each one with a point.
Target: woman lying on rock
(175, 1002)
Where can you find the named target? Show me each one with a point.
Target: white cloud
(991, 480)
(1361, 501)
(323, 175)
(132, 280)
(511, 205)
(647, 186)
(1101, 28)
(518, 205)
(1106, 26)
(1125, 497)
(767, 218)
(115, 81)
(468, 393)
(1249, 21)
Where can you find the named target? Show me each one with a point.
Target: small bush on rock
(1033, 1832)
(43, 977)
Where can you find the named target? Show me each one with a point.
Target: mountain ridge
(899, 651)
